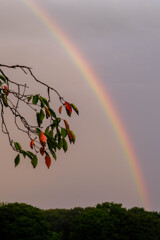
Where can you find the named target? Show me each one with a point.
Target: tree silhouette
(50, 131)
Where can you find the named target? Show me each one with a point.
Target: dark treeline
(106, 221)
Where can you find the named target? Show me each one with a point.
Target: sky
(120, 42)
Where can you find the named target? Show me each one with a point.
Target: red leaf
(32, 143)
(70, 136)
(42, 139)
(68, 107)
(60, 109)
(48, 160)
(42, 150)
(6, 88)
(66, 124)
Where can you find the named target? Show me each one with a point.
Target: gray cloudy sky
(121, 42)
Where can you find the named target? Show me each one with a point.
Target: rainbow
(102, 96)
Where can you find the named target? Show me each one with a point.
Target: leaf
(40, 117)
(1, 83)
(66, 124)
(63, 132)
(53, 153)
(52, 126)
(24, 153)
(42, 139)
(17, 160)
(60, 109)
(35, 99)
(65, 145)
(45, 101)
(17, 146)
(48, 114)
(4, 100)
(56, 122)
(52, 143)
(29, 98)
(58, 134)
(38, 131)
(68, 108)
(47, 131)
(3, 78)
(71, 136)
(6, 90)
(48, 160)
(30, 154)
(42, 102)
(42, 151)
(51, 133)
(34, 161)
(75, 108)
(60, 143)
(32, 143)
(52, 113)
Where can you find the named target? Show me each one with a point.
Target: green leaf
(60, 143)
(1, 84)
(29, 98)
(47, 131)
(34, 161)
(57, 145)
(38, 131)
(57, 121)
(40, 117)
(56, 136)
(52, 126)
(35, 99)
(17, 160)
(51, 143)
(42, 102)
(45, 101)
(49, 136)
(74, 108)
(30, 154)
(4, 98)
(65, 145)
(17, 146)
(63, 132)
(3, 78)
(53, 153)
(51, 133)
(73, 135)
(24, 153)
(52, 113)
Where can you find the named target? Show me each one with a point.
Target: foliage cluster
(50, 132)
(105, 221)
